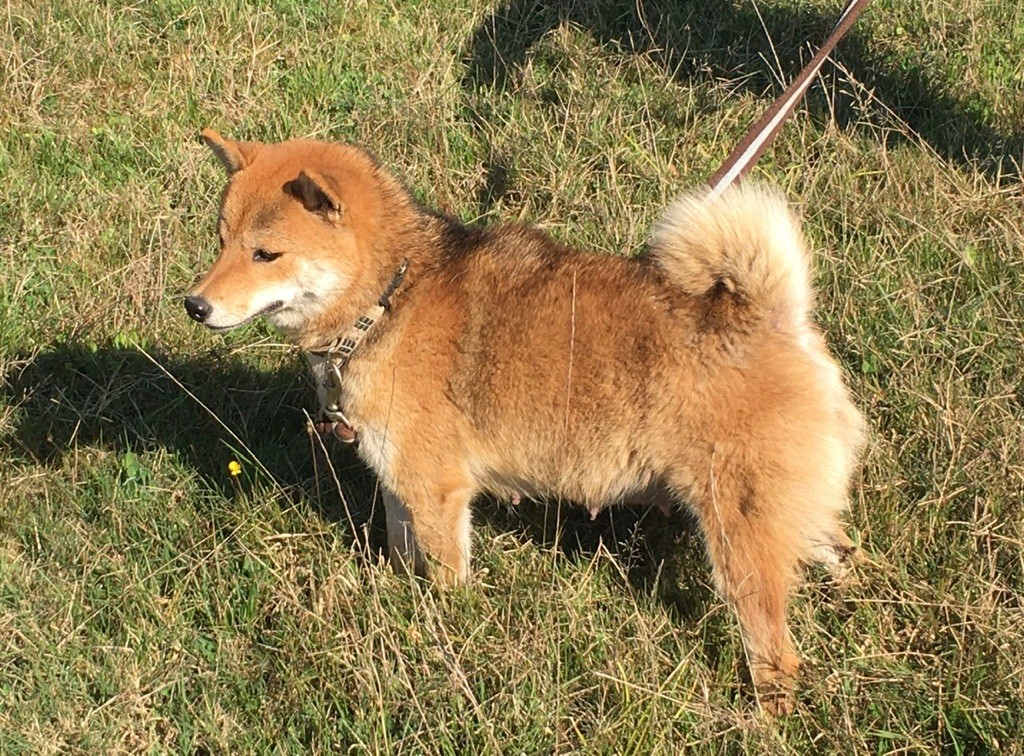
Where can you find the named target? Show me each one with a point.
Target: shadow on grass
(659, 555)
(116, 398)
(752, 45)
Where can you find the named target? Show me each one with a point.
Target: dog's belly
(597, 477)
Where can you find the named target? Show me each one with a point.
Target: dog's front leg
(402, 551)
(429, 529)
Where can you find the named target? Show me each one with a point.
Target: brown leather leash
(763, 133)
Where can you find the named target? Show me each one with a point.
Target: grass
(149, 601)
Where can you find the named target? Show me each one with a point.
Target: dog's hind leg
(754, 561)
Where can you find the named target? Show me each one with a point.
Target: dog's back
(583, 375)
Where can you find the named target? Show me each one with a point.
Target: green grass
(151, 602)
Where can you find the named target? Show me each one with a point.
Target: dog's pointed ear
(234, 156)
(315, 194)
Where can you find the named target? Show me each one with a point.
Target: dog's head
(294, 224)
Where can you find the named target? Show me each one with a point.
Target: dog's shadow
(205, 410)
(753, 46)
(126, 400)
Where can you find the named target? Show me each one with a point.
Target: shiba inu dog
(469, 359)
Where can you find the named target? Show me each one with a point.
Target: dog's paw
(777, 701)
(774, 685)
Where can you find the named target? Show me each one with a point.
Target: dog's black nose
(198, 308)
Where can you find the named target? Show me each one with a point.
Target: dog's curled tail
(746, 241)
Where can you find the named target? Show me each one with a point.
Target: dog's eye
(261, 255)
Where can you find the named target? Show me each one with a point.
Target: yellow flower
(234, 468)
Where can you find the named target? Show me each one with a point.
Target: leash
(337, 353)
(763, 133)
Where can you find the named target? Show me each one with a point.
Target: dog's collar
(336, 355)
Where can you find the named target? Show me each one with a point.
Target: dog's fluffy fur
(511, 363)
